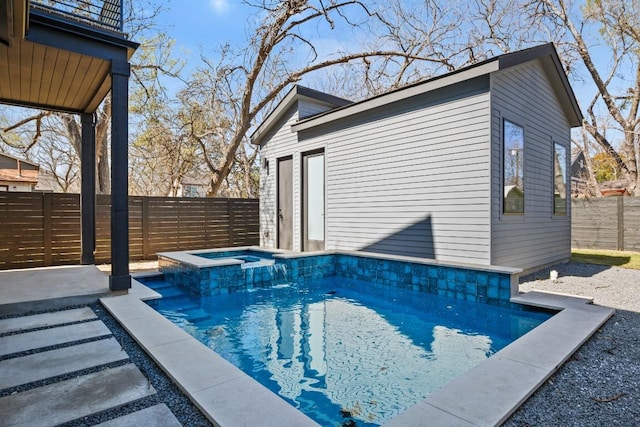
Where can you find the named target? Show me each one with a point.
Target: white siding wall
(17, 186)
(523, 95)
(411, 179)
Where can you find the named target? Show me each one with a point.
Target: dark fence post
(620, 223)
(46, 227)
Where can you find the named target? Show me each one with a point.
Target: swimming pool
(345, 351)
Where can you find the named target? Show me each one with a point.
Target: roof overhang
(291, 98)
(58, 64)
(545, 53)
(13, 20)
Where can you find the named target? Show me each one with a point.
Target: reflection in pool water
(348, 350)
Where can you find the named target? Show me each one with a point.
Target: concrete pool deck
(61, 366)
(227, 396)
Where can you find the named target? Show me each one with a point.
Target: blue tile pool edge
(211, 276)
(468, 400)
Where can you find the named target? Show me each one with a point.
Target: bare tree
(617, 25)
(151, 60)
(585, 146)
(239, 88)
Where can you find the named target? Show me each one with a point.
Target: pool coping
(191, 257)
(229, 397)
(200, 276)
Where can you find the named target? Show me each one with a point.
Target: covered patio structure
(67, 56)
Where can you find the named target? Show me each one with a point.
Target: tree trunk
(103, 170)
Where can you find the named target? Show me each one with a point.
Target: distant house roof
(14, 169)
(546, 53)
(17, 159)
(578, 166)
(290, 98)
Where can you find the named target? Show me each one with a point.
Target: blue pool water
(344, 351)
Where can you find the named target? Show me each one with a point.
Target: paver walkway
(64, 366)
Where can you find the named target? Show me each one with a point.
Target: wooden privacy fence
(606, 223)
(43, 229)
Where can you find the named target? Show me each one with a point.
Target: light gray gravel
(600, 384)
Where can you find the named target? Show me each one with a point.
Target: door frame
(279, 160)
(303, 199)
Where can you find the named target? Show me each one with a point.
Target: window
(513, 168)
(559, 179)
(189, 190)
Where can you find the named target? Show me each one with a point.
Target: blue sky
(204, 24)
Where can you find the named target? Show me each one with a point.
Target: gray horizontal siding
(524, 95)
(411, 179)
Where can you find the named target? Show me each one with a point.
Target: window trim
(555, 214)
(503, 169)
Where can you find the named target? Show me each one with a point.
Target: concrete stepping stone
(45, 319)
(157, 416)
(54, 336)
(48, 364)
(75, 398)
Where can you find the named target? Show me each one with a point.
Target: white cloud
(220, 6)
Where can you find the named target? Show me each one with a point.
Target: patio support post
(88, 189)
(120, 279)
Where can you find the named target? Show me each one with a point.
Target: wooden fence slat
(611, 223)
(41, 229)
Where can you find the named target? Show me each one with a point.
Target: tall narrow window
(513, 169)
(559, 180)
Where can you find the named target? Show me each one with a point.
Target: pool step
(196, 315)
(181, 303)
(157, 285)
(171, 292)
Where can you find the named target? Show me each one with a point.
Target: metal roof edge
(400, 94)
(499, 62)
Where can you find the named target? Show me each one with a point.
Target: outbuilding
(470, 166)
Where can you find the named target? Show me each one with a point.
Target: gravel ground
(600, 384)
(167, 392)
